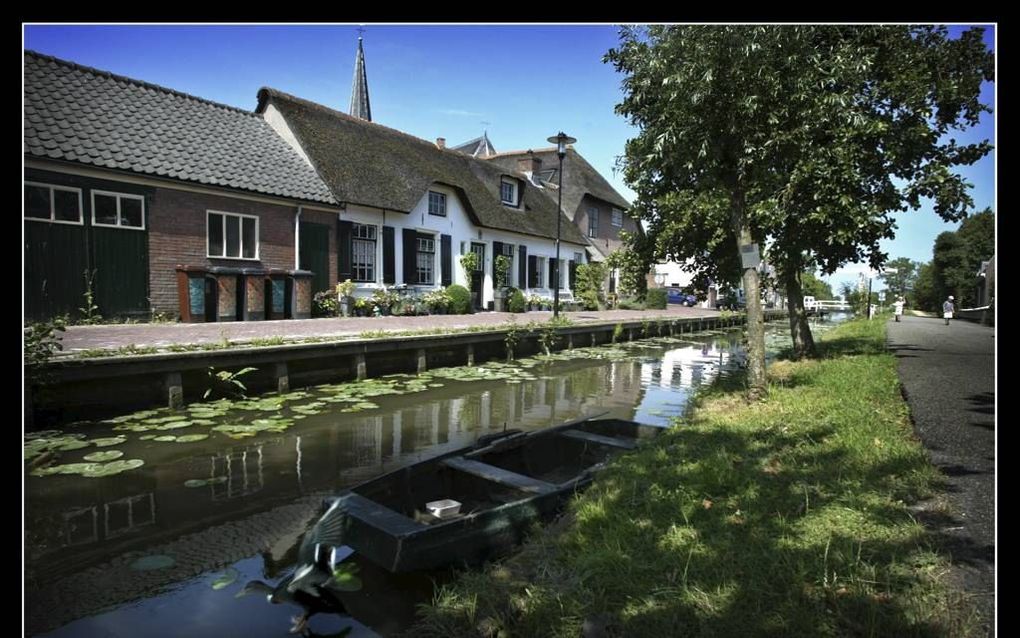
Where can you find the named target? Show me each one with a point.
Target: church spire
(359, 89)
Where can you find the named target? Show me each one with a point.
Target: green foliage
(346, 288)
(469, 262)
(633, 263)
(511, 339)
(502, 266)
(326, 303)
(811, 285)
(656, 298)
(517, 302)
(437, 300)
(617, 332)
(957, 256)
(90, 311)
(226, 383)
(460, 298)
(42, 341)
(547, 336)
(590, 285)
(926, 292)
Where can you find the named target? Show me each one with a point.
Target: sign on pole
(749, 256)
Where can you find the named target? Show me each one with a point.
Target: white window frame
(120, 196)
(612, 220)
(542, 272)
(512, 183)
(377, 258)
(436, 275)
(225, 214)
(53, 203)
(429, 205)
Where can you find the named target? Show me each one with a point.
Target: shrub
(656, 298)
(460, 300)
(630, 304)
(589, 285)
(517, 302)
(326, 304)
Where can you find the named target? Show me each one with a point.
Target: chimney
(441, 142)
(529, 164)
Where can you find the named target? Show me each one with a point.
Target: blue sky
(527, 82)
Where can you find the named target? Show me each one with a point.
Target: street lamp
(561, 140)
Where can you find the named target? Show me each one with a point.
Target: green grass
(784, 518)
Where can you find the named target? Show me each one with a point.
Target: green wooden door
(314, 254)
(55, 264)
(121, 262)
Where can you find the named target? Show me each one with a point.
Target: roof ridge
(143, 83)
(544, 149)
(357, 120)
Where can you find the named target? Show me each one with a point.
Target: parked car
(678, 296)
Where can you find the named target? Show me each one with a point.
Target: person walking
(947, 309)
(898, 307)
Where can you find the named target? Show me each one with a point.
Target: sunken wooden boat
(503, 485)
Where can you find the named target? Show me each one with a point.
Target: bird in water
(311, 585)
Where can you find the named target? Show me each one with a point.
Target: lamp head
(561, 140)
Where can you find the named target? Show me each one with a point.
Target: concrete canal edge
(96, 388)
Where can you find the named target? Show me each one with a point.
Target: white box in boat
(444, 508)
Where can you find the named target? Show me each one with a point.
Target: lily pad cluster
(90, 470)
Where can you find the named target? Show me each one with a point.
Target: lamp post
(561, 140)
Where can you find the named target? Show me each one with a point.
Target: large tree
(815, 287)
(957, 256)
(808, 136)
(899, 276)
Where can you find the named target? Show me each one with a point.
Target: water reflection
(259, 498)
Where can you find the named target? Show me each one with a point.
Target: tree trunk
(803, 343)
(756, 382)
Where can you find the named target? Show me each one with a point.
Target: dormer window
(437, 204)
(508, 191)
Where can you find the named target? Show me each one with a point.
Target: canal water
(217, 495)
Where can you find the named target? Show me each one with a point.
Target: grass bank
(788, 517)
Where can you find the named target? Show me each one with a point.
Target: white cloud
(459, 112)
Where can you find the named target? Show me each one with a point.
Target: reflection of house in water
(242, 468)
(686, 367)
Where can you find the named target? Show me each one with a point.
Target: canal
(159, 533)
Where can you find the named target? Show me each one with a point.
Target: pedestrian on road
(898, 307)
(947, 309)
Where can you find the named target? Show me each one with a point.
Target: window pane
(216, 235)
(37, 202)
(66, 206)
(233, 243)
(106, 209)
(250, 241)
(131, 212)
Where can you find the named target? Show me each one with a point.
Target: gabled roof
(373, 165)
(478, 147)
(579, 177)
(88, 116)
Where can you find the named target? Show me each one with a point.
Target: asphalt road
(948, 373)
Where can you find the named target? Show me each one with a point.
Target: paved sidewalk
(163, 334)
(948, 373)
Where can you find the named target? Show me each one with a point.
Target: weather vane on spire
(360, 30)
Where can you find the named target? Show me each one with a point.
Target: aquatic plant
(227, 382)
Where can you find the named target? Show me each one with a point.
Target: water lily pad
(166, 438)
(115, 467)
(67, 468)
(146, 437)
(202, 482)
(155, 561)
(105, 442)
(225, 579)
(67, 446)
(102, 457)
(191, 438)
(175, 425)
(43, 434)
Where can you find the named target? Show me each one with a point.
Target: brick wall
(607, 238)
(177, 235)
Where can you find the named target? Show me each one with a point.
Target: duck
(308, 585)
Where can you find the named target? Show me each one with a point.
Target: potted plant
(345, 293)
(502, 267)
(469, 262)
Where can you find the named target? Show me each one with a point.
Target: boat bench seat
(390, 521)
(590, 437)
(499, 475)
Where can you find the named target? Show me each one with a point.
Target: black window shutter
(446, 258)
(389, 258)
(497, 250)
(522, 266)
(573, 273)
(553, 267)
(533, 272)
(344, 248)
(410, 241)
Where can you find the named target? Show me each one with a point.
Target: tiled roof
(80, 114)
(579, 177)
(365, 163)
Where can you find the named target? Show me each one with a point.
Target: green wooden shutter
(410, 240)
(389, 258)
